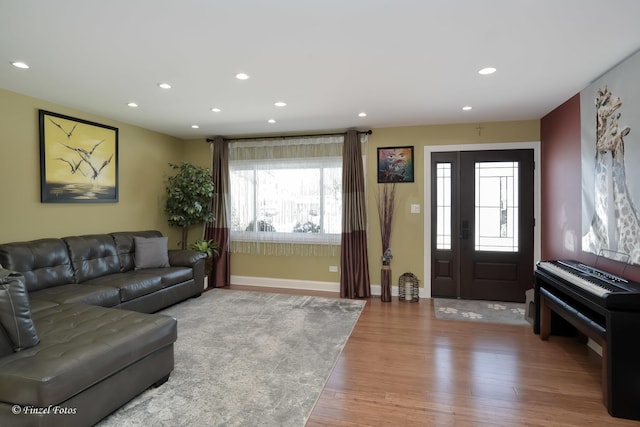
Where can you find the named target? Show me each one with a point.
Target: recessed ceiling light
(195, 127)
(242, 76)
(132, 104)
(164, 85)
(216, 110)
(19, 64)
(280, 104)
(363, 114)
(467, 107)
(271, 121)
(487, 70)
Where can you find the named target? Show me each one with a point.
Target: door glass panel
(496, 206)
(443, 206)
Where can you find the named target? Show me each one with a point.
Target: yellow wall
(407, 240)
(408, 229)
(143, 168)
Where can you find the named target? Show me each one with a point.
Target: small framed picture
(395, 164)
(78, 160)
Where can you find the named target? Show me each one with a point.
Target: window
(291, 200)
(496, 206)
(277, 196)
(443, 206)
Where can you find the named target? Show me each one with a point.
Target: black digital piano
(604, 307)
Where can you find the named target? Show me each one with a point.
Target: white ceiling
(402, 62)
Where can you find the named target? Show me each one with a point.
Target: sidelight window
(443, 206)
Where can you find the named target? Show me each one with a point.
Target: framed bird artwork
(78, 160)
(395, 164)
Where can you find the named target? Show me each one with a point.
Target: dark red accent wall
(561, 192)
(560, 181)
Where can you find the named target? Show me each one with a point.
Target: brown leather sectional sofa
(76, 339)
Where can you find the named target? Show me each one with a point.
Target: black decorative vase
(385, 282)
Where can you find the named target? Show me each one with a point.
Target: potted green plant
(189, 196)
(209, 247)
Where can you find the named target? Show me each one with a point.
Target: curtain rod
(366, 132)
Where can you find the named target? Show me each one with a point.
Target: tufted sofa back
(43, 263)
(126, 248)
(93, 256)
(51, 262)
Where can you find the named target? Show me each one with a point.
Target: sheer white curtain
(286, 195)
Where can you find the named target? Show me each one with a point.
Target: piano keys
(604, 307)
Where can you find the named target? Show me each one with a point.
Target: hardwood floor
(403, 367)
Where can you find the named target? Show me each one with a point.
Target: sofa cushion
(126, 247)
(131, 284)
(80, 346)
(15, 312)
(104, 296)
(172, 275)
(150, 252)
(39, 305)
(92, 256)
(43, 263)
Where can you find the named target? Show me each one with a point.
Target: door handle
(465, 230)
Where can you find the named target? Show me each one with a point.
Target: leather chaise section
(95, 353)
(39, 305)
(104, 296)
(81, 345)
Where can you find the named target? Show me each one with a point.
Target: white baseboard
(269, 282)
(377, 290)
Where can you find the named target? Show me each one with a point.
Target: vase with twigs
(386, 207)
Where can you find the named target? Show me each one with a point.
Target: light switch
(415, 209)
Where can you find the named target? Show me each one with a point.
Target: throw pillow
(150, 252)
(15, 311)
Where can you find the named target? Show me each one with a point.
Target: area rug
(509, 313)
(246, 358)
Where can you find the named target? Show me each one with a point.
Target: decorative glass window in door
(496, 206)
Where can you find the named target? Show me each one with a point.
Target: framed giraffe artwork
(78, 160)
(610, 134)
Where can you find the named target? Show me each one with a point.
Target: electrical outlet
(333, 268)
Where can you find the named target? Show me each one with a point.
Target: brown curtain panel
(354, 276)
(219, 228)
